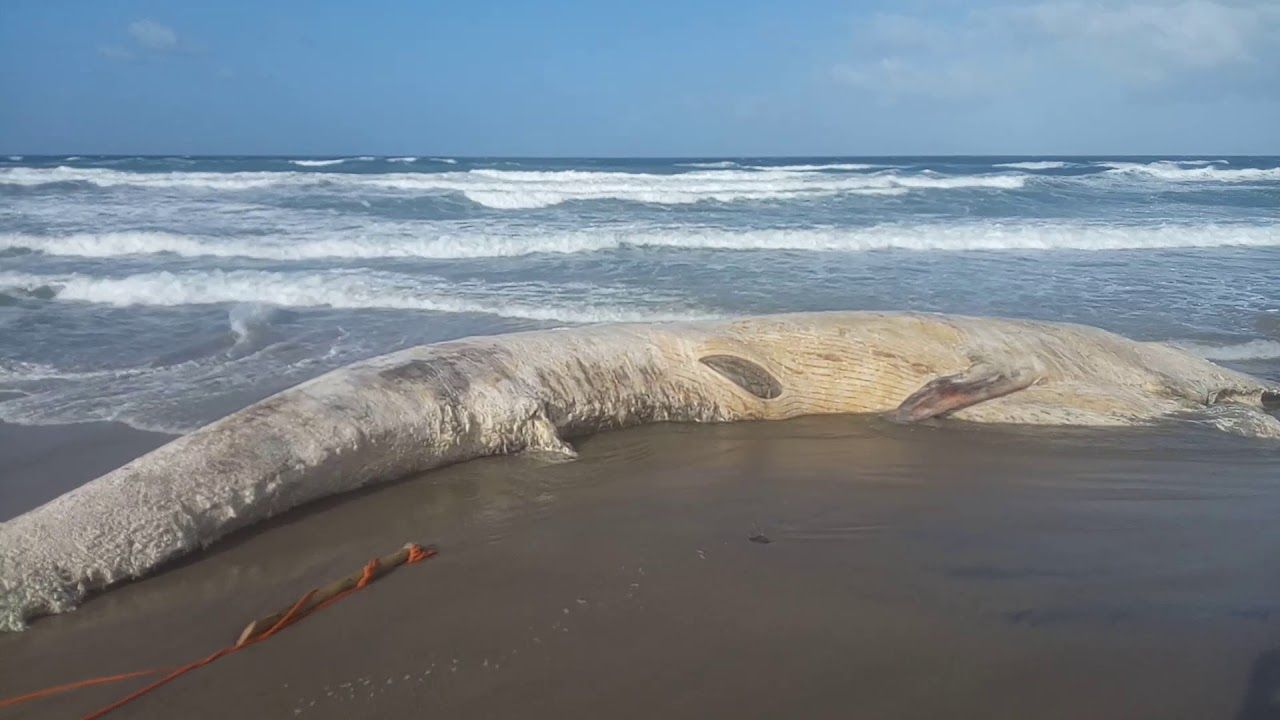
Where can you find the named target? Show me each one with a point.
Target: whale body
(429, 406)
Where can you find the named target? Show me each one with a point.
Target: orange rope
(417, 553)
(59, 689)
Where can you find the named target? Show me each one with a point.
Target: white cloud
(1139, 44)
(151, 35)
(146, 39)
(1153, 41)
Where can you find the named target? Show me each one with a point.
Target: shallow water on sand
(910, 572)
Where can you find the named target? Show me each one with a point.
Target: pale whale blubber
(429, 406)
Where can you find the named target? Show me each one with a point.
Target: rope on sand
(255, 632)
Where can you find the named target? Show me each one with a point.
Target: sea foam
(1036, 165)
(317, 163)
(1250, 350)
(366, 290)
(1193, 171)
(426, 240)
(332, 161)
(525, 189)
(820, 166)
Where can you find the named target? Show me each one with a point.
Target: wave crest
(1035, 165)
(350, 290)
(332, 161)
(443, 243)
(1193, 171)
(523, 189)
(1251, 350)
(317, 163)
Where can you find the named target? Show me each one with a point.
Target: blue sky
(655, 78)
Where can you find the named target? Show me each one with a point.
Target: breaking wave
(427, 241)
(1192, 171)
(821, 166)
(108, 178)
(1035, 165)
(531, 189)
(1251, 350)
(730, 164)
(531, 301)
(522, 189)
(317, 163)
(333, 161)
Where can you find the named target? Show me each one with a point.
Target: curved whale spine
(429, 406)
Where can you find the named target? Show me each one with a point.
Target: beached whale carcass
(428, 406)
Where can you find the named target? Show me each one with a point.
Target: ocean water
(164, 292)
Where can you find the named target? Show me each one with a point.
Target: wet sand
(911, 572)
(39, 463)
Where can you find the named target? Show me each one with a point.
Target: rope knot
(417, 553)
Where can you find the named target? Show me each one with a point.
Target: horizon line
(451, 156)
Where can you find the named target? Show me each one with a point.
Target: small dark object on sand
(760, 538)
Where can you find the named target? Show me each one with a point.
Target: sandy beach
(741, 361)
(910, 572)
(39, 463)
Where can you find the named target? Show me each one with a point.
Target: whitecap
(1035, 165)
(1171, 171)
(817, 167)
(437, 241)
(1250, 350)
(318, 163)
(351, 290)
(518, 189)
(719, 164)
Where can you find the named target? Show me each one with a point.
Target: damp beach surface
(40, 462)
(821, 567)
